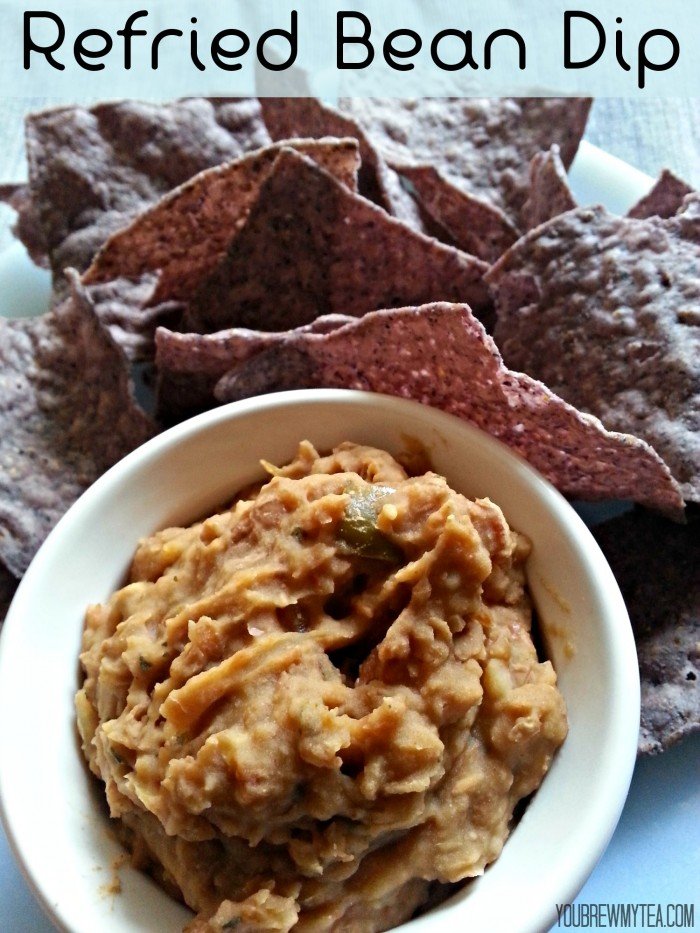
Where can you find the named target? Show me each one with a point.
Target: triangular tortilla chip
(664, 200)
(92, 170)
(185, 235)
(472, 223)
(291, 117)
(312, 247)
(549, 193)
(440, 355)
(604, 310)
(67, 414)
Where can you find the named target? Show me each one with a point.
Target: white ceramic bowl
(51, 812)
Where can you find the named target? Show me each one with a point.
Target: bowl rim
(611, 794)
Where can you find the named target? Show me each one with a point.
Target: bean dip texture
(310, 708)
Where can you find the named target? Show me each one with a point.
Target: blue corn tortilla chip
(471, 223)
(311, 247)
(440, 355)
(479, 147)
(656, 565)
(190, 365)
(66, 414)
(91, 170)
(289, 117)
(144, 272)
(185, 234)
(605, 311)
(549, 193)
(665, 198)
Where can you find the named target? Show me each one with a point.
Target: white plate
(654, 853)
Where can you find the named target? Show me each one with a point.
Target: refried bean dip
(309, 707)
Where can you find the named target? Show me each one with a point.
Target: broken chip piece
(604, 311)
(655, 563)
(549, 193)
(67, 415)
(665, 198)
(478, 146)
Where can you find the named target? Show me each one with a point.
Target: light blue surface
(25, 288)
(654, 855)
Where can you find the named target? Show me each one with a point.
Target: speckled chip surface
(604, 311)
(656, 566)
(479, 145)
(67, 414)
(440, 355)
(311, 247)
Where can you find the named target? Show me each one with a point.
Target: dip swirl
(310, 707)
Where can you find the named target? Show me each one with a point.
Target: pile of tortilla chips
(429, 249)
